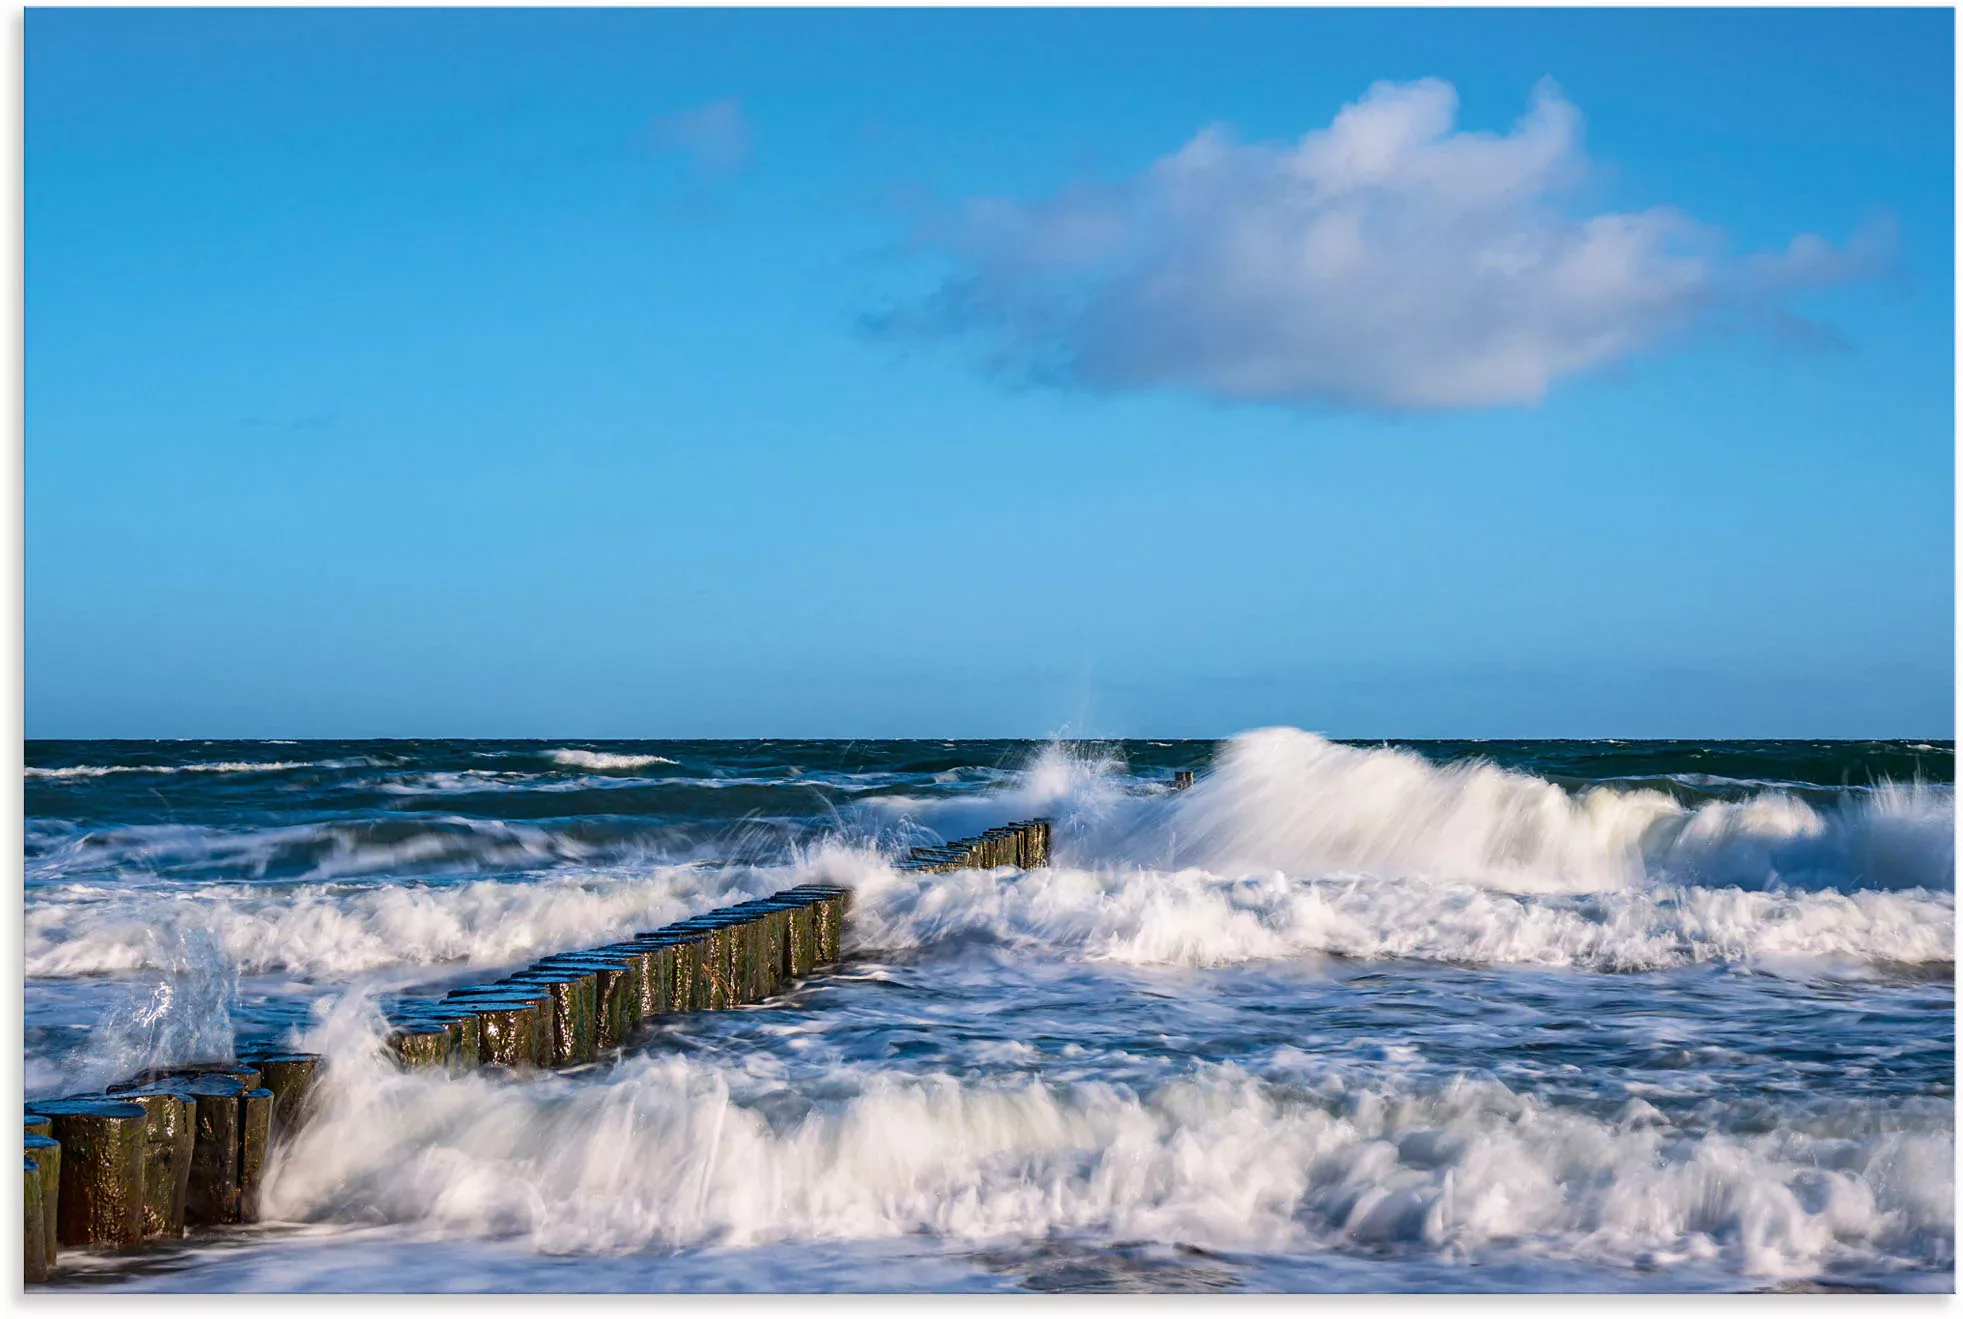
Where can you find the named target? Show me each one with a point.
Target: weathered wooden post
(34, 1243)
(573, 1001)
(255, 1134)
(510, 1031)
(213, 1194)
(169, 1143)
(675, 959)
(798, 945)
(709, 983)
(101, 1197)
(45, 1150)
(647, 985)
(418, 1042)
(689, 974)
(244, 1073)
(291, 1078)
(616, 995)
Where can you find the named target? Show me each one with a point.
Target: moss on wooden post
(418, 1042)
(291, 1078)
(255, 1135)
(508, 1027)
(168, 1145)
(616, 994)
(101, 1197)
(573, 1002)
(45, 1150)
(213, 1194)
(34, 1245)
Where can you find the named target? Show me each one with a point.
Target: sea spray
(672, 1152)
(1589, 1015)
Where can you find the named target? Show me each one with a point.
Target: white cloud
(715, 136)
(1386, 261)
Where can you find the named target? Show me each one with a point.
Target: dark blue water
(1444, 1016)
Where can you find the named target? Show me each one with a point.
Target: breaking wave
(1194, 918)
(671, 1151)
(1281, 799)
(332, 930)
(579, 759)
(216, 767)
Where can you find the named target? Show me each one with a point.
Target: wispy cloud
(1389, 260)
(714, 137)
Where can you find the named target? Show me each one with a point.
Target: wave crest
(671, 1151)
(581, 759)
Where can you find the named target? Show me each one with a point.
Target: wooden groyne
(571, 1008)
(179, 1148)
(1025, 845)
(152, 1156)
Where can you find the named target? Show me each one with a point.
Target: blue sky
(642, 373)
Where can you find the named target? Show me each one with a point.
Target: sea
(1341, 1016)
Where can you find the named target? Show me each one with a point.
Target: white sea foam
(214, 767)
(1191, 917)
(667, 1151)
(1291, 845)
(580, 759)
(332, 930)
(1282, 799)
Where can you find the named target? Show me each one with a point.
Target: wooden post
(573, 1001)
(169, 1142)
(616, 993)
(46, 1153)
(101, 1197)
(646, 988)
(291, 1077)
(509, 1033)
(255, 1133)
(34, 1242)
(213, 1194)
(465, 1038)
(418, 1042)
(686, 970)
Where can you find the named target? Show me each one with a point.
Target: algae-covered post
(101, 1197)
(213, 1195)
(34, 1249)
(290, 1076)
(170, 1137)
(1025, 845)
(255, 1132)
(45, 1150)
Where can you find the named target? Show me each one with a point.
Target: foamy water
(1337, 1017)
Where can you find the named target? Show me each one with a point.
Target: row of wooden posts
(169, 1149)
(570, 1008)
(187, 1146)
(1025, 845)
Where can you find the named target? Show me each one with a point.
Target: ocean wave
(669, 1151)
(1284, 800)
(580, 759)
(317, 930)
(215, 767)
(333, 849)
(1192, 917)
